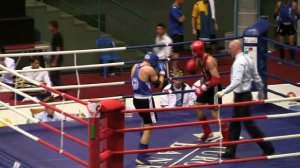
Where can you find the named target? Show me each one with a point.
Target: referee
(243, 72)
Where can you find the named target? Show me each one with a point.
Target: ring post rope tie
(43, 142)
(43, 124)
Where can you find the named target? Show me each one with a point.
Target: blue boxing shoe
(141, 157)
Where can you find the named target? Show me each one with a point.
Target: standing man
(204, 22)
(178, 99)
(162, 52)
(207, 87)
(142, 75)
(57, 44)
(286, 14)
(243, 72)
(176, 29)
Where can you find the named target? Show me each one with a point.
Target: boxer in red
(207, 87)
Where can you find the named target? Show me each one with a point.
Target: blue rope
(281, 44)
(282, 79)
(181, 43)
(282, 61)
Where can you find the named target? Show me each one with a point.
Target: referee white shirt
(10, 64)
(243, 72)
(170, 100)
(40, 76)
(163, 52)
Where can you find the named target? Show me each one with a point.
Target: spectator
(162, 38)
(180, 99)
(10, 64)
(48, 116)
(40, 76)
(176, 29)
(286, 14)
(204, 22)
(57, 44)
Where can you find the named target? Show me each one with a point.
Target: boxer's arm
(155, 80)
(215, 76)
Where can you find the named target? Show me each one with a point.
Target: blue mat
(16, 147)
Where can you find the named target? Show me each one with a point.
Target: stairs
(247, 14)
(77, 34)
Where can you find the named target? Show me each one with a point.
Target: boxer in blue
(142, 76)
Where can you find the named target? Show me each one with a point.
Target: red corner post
(106, 138)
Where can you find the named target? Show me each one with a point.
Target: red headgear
(197, 48)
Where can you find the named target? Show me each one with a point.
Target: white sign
(251, 40)
(251, 52)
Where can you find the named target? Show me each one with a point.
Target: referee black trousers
(251, 128)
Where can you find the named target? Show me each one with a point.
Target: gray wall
(133, 30)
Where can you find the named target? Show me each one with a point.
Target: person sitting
(10, 64)
(179, 99)
(40, 76)
(48, 116)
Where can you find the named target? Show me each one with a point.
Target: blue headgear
(152, 59)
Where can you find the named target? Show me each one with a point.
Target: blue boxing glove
(161, 68)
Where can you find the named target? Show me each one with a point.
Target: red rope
(218, 162)
(63, 152)
(45, 125)
(61, 112)
(191, 123)
(67, 96)
(255, 102)
(153, 150)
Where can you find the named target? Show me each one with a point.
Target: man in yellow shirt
(204, 23)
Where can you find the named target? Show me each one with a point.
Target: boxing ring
(106, 138)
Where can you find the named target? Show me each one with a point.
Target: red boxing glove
(200, 90)
(191, 66)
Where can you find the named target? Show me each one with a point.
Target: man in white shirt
(179, 99)
(162, 52)
(40, 76)
(10, 64)
(243, 72)
(48, 116)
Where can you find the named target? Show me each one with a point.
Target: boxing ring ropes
(110, 114)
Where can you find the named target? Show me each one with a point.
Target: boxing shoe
(142, 160)
(206, 136)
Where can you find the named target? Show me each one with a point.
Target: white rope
(297, 154)
(69, 67)
(66, 102)
(282, 100)
(16, 128)
(69, 87)
(283, 137)
(87, 51)
(16, 111)
(34, 99)
(19, 75)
